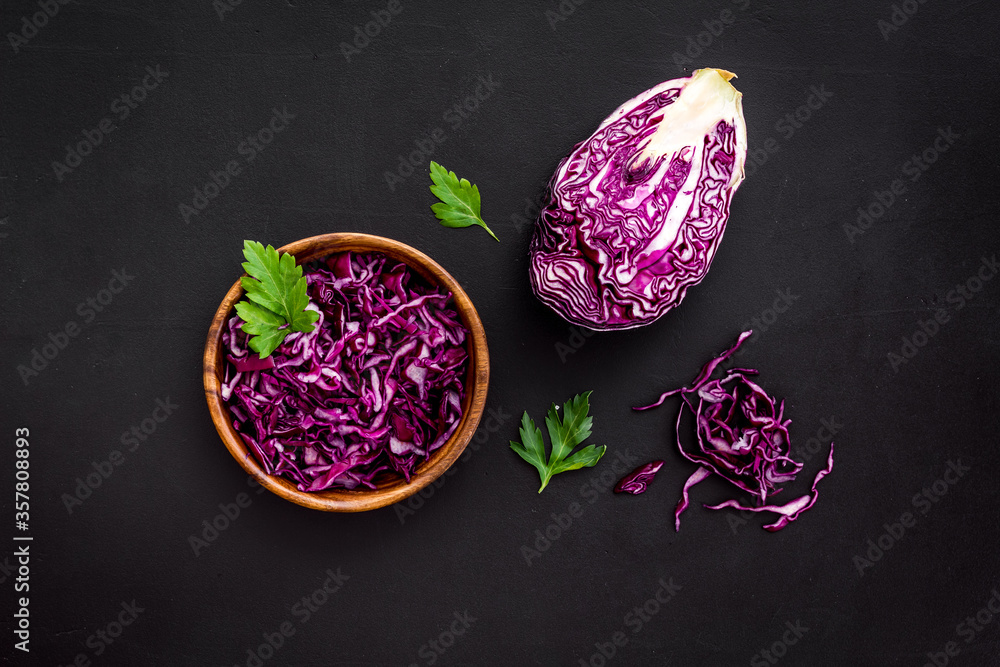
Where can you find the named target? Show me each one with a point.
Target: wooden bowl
(391, 487)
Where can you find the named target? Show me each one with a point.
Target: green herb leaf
(266, 338)
(533, 449)
(565, 434)
(461, 200)
(574, 427)
(276, 293)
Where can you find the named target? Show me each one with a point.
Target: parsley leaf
(564, 434)
(461, 200)
(277, 297)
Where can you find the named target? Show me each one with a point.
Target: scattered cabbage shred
(634, 215)
(742, 436)
(639, 479)
(376, 386)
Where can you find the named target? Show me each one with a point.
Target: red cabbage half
(742, 436)
(635, 214)
(376, 386)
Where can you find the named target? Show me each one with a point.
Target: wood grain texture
(392, 488)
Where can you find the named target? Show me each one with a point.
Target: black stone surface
(407, 575)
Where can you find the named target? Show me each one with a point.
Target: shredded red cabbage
(636, 481)
(742, 437)
(376, 386)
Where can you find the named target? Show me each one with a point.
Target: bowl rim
(474, 400)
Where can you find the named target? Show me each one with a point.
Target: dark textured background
(462, 549)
